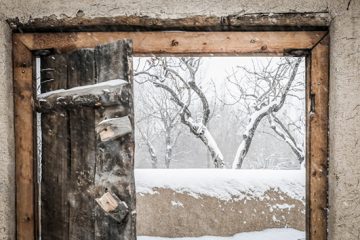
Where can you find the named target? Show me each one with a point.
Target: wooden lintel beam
(218, 43)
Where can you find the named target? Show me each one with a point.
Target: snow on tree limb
(204, 101)
(284, 133)
(261, 111)
(188, 84)
(198, 129)
(151, 149)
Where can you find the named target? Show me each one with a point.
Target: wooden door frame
(312, 44)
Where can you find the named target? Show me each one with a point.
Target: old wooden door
(87, 144)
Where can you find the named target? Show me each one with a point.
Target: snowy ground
(268, 234)
(222, 183)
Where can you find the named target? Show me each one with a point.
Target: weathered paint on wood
(219, 43)
(318, 118)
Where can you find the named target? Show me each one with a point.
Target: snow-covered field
(222, 183)
(268, 234)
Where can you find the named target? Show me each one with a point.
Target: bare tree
(178, 77)
(160, 115)
(262, 93)
(151, 149)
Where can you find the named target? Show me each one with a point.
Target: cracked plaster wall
(344, 135)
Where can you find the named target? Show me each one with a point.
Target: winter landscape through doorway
(220, 147)
(88, 90)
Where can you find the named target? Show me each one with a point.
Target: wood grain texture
(115, 158)
(242, 22)
(54, 160)
(113, 128)
(220, 43)
(81, 65)
(24, 148)
(94, 96)
(318, 118)
(78, 166)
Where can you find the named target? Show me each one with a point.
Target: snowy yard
(223, 184)
(268, 234)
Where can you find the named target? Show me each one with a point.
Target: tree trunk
(151, 150)
(199, 130)
(247, 139)
(168, 151)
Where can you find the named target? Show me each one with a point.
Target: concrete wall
(344, 212)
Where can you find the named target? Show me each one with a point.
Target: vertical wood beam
(24, 148)
(115, 157)
(54, 130)
(81, 219)
(318, 117)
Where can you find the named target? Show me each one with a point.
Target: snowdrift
(268, 234)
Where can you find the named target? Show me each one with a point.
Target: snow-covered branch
(259, 113)
(151, 149)
(179, 81)
(284, 133)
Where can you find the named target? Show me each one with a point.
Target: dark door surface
(87, 188)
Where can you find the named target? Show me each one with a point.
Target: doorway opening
(220, 147)
(80, 169)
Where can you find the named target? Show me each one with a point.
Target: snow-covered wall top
(225, 184)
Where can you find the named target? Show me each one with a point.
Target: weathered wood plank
(113, 128)
(318, 140)
(113, 206)
(54, 164)
(72, 173)
(115, 158)
(221, 43)
(24, 148)
(113, 92)
(240, 22)
(81, 72)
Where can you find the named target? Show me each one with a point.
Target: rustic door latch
(113, 206)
